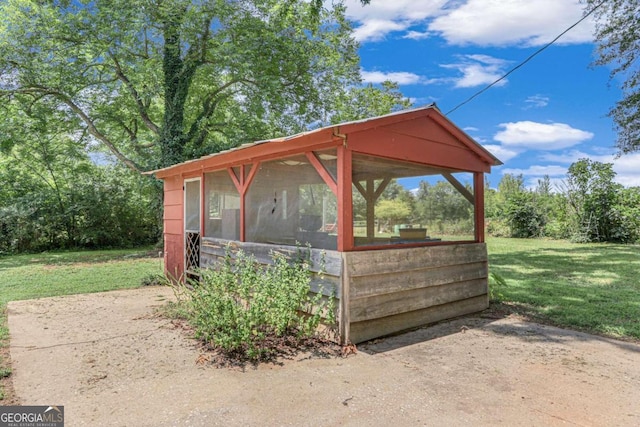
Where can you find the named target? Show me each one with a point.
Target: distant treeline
(588, 206)
(76, 205)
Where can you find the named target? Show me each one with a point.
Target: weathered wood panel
(174, 227)
(397, 289)
(370, 263)
(328, 262)
(363, 331)
(399, 302)
(173, 256)
(398, 281)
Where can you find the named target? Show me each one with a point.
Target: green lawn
(591, 287)
(64, 273)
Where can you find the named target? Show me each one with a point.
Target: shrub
(246, 310)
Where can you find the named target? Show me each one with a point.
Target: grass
(64, 273)
(589, 287)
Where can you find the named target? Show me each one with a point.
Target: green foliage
(524, 215)
(496, 285)
(85, 206)
(55, 196)
(393, 211)
(600, 213)
(368, 101)
(444, 209)
(241, 307)
(157, 83)
(617, 30)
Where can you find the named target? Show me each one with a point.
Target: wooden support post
(345, 199)
(478, 189)
(371, 209)
(242, 185)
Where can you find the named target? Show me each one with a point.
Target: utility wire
(526, 60)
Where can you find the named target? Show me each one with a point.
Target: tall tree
(359, 102)
(157, 81)
(618, 39)
(594, 198)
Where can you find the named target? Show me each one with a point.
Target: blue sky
(544, 116)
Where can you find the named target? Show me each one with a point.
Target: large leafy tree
(599, 204)
(159, 81)
(618, 39)
(53, 196)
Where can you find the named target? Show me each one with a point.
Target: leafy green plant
(496, 284)
(247, 310)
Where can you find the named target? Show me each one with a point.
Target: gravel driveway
(110, 362)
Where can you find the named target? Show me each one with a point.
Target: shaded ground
(110, 362)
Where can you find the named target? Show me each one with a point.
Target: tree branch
(136, 96)
(208, 108)
(91, 127)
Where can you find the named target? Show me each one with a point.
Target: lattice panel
(192, 246)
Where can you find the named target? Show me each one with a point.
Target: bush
(247, 311)
(524, 217)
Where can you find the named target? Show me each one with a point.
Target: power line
(529, 58)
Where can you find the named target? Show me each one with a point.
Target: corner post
(478, 190)
(345, 199)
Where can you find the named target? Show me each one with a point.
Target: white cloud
(513, 22)
(376, 20)
(400, 77)
(417, 35)
(376, 30)
(470, 129)
(478, 22)
(538, 171)
(478, 70)
(502, 153)
(540, 136)
(626, 167)
(536, 101)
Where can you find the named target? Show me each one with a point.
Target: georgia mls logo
(31, 416)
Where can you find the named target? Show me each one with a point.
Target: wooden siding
(173, 227)
(393, 290)
(385, 143)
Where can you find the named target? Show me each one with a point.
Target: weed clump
(251, 312)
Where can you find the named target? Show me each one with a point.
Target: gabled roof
(329, 133)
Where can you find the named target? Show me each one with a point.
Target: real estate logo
(31, 416)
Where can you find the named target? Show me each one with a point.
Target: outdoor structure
(395, 259)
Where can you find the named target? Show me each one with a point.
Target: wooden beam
(383, 186)
(322, 171)
(234, 178)
(264, 151)
(252, 174)
(360, 189)
(461, 188)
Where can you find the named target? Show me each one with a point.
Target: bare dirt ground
(110, 362)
